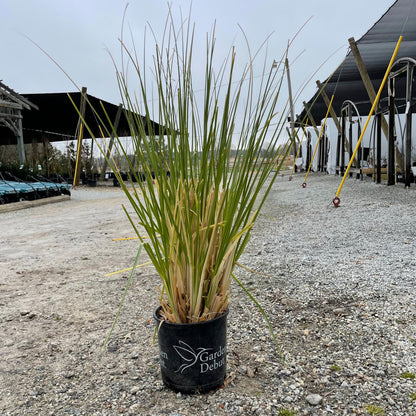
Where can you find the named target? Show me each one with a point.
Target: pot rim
(162, 321)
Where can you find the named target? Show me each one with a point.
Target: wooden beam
(372, 94)
(16, 98)
(311, 119)
(9, 104)
(14, 116)
(326, 100)
(292, 112)
(332, 112)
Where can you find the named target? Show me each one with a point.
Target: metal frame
(11, 106)
(347, 110)
(406, 66)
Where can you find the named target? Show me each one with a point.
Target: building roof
(54, 117)
(376, 48)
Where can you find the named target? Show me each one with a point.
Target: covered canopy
(56, 118)
(376, 48)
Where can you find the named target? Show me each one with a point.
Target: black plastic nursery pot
(193, 356)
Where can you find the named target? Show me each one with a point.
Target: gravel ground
(338, 285)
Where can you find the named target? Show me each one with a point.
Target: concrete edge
(15, 206)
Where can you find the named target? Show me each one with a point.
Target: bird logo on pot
(204, 357)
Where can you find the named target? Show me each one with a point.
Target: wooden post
(45, 143)
(292, 112)
(326, 100)
(372, 94)
(311, 119)
(35, 152)
(110, 145)
(80, 135)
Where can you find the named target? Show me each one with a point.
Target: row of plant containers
(14, 189)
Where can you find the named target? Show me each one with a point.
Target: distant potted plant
(208, 166)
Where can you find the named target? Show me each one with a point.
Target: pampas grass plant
(200, 175)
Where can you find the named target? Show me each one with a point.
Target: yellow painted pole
(317, 143)
(129, 268)
(336, 200)
(297, 153)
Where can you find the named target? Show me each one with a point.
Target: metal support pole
(337, 159)
(360, 154)
(349, 109)
(20, 142)
(391, 167)
(320, 157)
(409, 114)
(408, 147)
(342, 147)
(378, 151)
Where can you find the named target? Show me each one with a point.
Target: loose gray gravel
(338, 285)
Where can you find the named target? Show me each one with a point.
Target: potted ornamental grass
(199, 176)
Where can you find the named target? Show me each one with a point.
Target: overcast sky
(79, 34)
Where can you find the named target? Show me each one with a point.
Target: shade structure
(56, 119)
(376, 48)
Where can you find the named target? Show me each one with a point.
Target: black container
(193, 356)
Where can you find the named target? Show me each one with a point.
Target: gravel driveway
(338, 285)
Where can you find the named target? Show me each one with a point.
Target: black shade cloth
(376, 49)
(57, 119)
